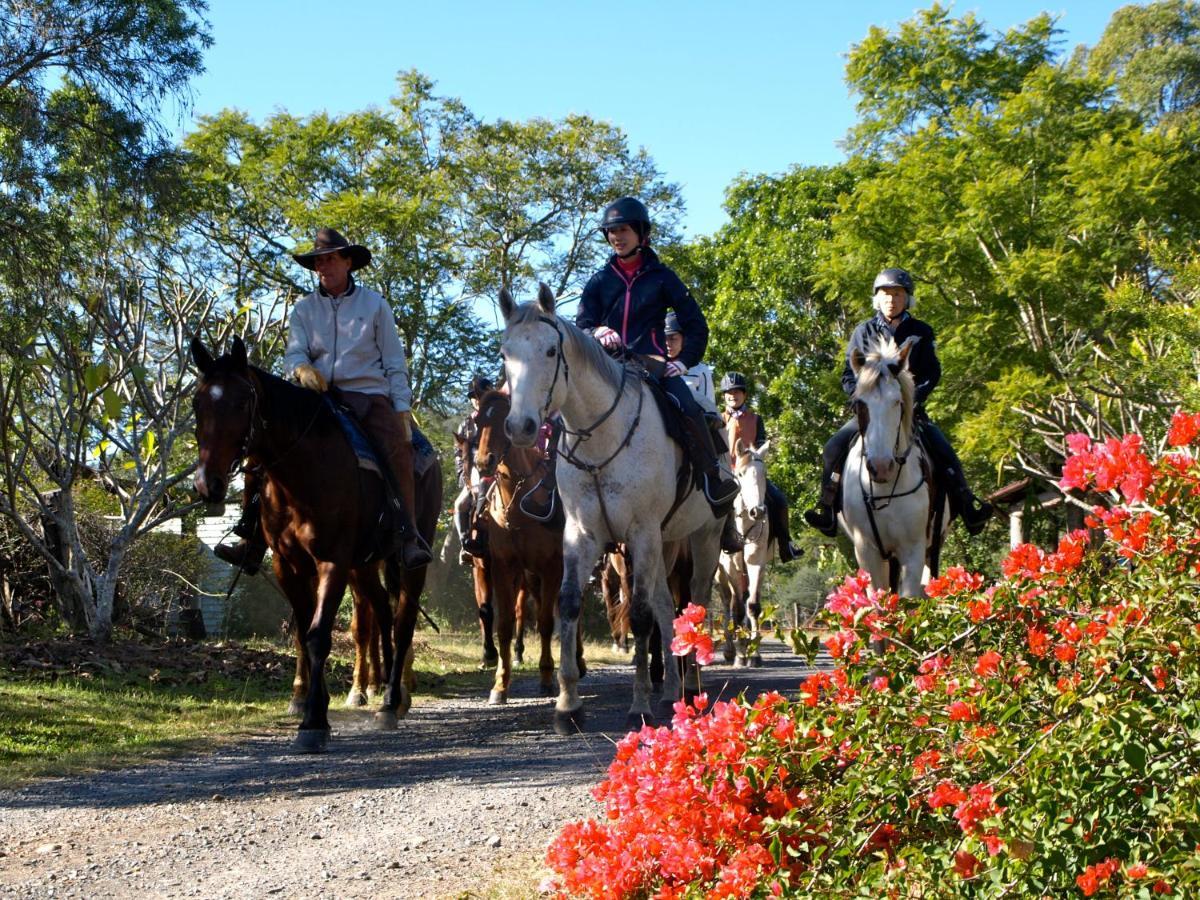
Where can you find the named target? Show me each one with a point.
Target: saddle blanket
(423, 452)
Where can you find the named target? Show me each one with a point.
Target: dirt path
(459, 802)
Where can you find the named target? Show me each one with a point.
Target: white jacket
(700, 379)
(352, 341)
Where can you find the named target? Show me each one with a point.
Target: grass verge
(72, 706)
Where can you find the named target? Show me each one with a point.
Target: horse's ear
(545, 298)
(507, 305)
(763, 449)
(200, 356)
(238, 354)
(857, 359)
(906, 348)
(739, 448)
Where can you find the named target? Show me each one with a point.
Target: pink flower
(689, 637)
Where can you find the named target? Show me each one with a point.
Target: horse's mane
(881, 354)
(581, 345)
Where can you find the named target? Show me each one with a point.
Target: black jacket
(636, 309)
(922, 359)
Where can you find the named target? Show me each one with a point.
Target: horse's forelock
(882, 354)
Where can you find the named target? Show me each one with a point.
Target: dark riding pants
(777, 513)
(942, 456)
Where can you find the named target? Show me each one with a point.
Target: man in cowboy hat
(344, 335)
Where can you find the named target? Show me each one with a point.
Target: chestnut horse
(522, 550)
(480, 580)
(321, 518)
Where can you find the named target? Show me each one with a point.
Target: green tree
(1153, 53)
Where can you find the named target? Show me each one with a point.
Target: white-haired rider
(893, 298)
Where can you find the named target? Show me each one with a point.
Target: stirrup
(246, 555)
(728, 491)
(536, 511)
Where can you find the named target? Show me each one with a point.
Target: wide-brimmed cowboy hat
(330, 241)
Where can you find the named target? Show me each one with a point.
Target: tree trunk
(8, 620)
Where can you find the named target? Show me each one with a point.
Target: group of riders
(342, 336)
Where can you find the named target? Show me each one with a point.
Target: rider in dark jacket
(625, 304)
(893, 299)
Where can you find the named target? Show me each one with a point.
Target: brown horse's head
(494, 443)
(225, 404)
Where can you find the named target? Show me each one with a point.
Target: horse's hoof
(548, 689)
(568, 723)
(756, 661)
(666, 711)
(497, 698)
(296, 707)
(582, 669)
(740, 662)
(311, 740)
(656, 688)
(518, 659)
(356, 698)
(385, 720)
(635, 721)
(372, 693)
(617, 648)
(730, 656)
(489, 662)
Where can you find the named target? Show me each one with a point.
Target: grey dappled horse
(616, 477)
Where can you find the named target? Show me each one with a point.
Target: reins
(870, 501)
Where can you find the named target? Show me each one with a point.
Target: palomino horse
(740, 576)
(320, 516)
(523, 550)
(618, 484)
(887, 490)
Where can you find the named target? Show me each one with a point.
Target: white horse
(887, 489)
(616, 479)
(740, 576)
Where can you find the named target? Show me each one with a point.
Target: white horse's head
(751, 473)
(534, 367)
(883, 403)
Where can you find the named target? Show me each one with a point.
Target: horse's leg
(649, 580)
(487, 612)
(371, 596)
(397, 698)
(579, 555)
(314, 728)
(361, 620)
(519, 627)
(754, 578)
(506, 589)
(548, 583)
(299, 591)
(912, 570)
(610, 590)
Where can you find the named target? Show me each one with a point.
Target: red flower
(966, 864)
(1184, 428)
(957, 580)
(689, 637)
(1039, 641)
(1136, 871)
(946, 793)
(961, 712)
(1025, 561)
(988, 664)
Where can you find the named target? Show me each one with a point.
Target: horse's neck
(588, 402)
(281, 442)
(517, 465)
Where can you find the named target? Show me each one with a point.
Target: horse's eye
(551, 352)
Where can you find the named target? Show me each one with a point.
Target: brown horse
(523, 550)
(321, 517)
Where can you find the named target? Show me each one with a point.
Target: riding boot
(975, 512)
(247, 554)
(719, 490)
(475, 534)
(404, 538)
(821, 516)
(778, 518)
(540, 502)
(731, 541)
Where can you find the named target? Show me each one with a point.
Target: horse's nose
(211, 489)
(522, 431)
(881, 469)
(488, 463)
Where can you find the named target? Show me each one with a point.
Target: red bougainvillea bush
(1039, 736)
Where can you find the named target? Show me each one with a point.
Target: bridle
(570, 453)
(258, 428)
(872, 503)
(752, 533)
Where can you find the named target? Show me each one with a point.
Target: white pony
(616, 480)
(887, 490)
(740, 576)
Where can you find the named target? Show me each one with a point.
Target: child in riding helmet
(625, 304)
(742, 422)
(698, 377)
(893, 298)
(470, 497)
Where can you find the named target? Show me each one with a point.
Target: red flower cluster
(957, 580)
(1095, 876)
(689, 637)
(1111, 465)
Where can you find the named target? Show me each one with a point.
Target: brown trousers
(385, 427)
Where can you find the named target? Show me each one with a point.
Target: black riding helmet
(733, 381)
(894, 278)
(480, 385)
(671, 324)
(626, 211)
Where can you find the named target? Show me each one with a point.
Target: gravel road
(460, 802)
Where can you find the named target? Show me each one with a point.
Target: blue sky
(711, 89)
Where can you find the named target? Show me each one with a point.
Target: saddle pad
(672, 417)
(357, 439)
(423, 452)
